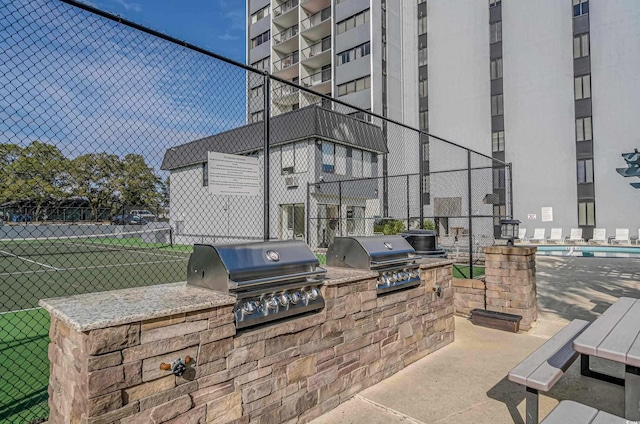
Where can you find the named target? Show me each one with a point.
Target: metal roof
(309, 122)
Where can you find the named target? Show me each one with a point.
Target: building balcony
(286, 41)
(313, 6)
(284, 94)
(318, 54)
(285, 67)
(285, 14)
(319, 81)
(318, 25)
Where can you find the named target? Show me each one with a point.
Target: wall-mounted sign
(233, 175)
(547, 214)
(531, 216)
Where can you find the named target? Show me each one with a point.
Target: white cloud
(130, 6)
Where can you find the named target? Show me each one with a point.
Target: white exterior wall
(615, 80)
(458, 60)
(539, 116)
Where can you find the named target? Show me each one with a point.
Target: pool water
(590, 251)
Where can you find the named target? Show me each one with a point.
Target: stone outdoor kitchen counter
(107, 348)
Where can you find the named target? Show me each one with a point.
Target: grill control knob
(272, 303)
(284, 299)
(394, 277)
(248, 308)
(295, 297)
(313, 294)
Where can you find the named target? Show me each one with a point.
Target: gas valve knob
(248, 308)
(272, 303)
(284, 299)
(295, 297)
(313, 294)
(177, 367)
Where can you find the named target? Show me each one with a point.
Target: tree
(165, 190)
(9, 153)
(94, 177)
(38, 173)
(136, 182)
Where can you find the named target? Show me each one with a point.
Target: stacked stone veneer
(510, 278)
(293, 371)
(509, 285)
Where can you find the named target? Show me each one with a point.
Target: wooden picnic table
(615, 335)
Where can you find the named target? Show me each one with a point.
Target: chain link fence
(121, 147)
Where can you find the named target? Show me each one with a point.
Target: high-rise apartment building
(551, 86)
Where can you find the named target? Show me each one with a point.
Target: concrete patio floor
(466, 381)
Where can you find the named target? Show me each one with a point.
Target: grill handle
(249, 283)
(376, 264)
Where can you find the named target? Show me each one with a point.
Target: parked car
(128, 219)
(143, 213)
(20, 217)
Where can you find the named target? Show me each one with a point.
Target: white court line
(19, 310)
(29, 260)
(88, 267)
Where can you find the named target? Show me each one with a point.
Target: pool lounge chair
(522, 235)
(622, 236)
(575, 236)
(599, 236)
(538, 236)
(556, 236)
(638, 238)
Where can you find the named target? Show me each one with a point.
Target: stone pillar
(511, 282)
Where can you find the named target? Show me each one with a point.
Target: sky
(215, 25)
(88, 84)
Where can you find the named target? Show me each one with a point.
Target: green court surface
(462, 271)
(31, 270)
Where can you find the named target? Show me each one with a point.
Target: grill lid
(236, 266)
(372, 252)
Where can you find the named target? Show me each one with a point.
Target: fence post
(308, 213)
(510, 168)
(408, 213)
(421, 179)
(470, 214)
(265, 118)
(340, 207)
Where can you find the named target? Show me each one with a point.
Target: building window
(355, 53)
(498, 178)
(355, 85)
(422, 57)
(583, 129)
(585, 171)
(352, 22)
(495, 32)
(426, 184)
(262, 38)
(292, 222)
(341, 160)
(581, 46)
(328, 157)
(294, 158)
(496, 68)
(356, 163)
(498, 141)
(423, 88)
(494, 3)
(424, 120)
(580, 7)
(497, 107)
(422, 25)
(367, 164)
(586, 213)
(262, 64)
(205, 174)
(582, 87)
(262, 13)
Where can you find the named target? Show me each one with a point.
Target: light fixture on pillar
(509, 230)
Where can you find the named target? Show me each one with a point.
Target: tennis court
(32, 269)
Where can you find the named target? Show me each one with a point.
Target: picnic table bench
(569, 411)
(541, 370)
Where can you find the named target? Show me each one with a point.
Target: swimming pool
(590, 251)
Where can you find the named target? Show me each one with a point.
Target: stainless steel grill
(271, 280)
(392, 256)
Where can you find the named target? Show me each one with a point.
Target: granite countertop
(427, 263)
(347, 275)
(92, 311)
